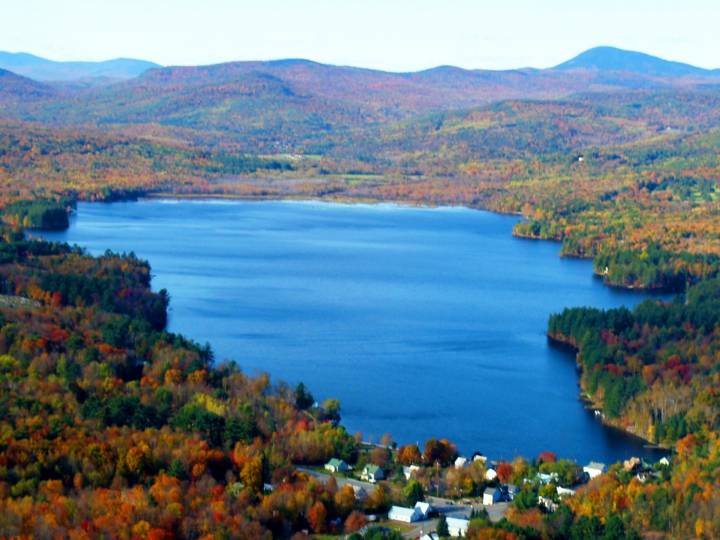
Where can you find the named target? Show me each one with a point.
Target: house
(545, 478)
(460, 462)
(406, 515)
(336, 465)
(458, 526)
(594, 469)
(372, 474)
(564, 492)
(477, 456)
(430, 536)
(491, 496)
(547, 503)
(490, 475)
(664, 461)
(409, 471)
(423, 509)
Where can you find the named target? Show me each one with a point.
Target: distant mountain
(614, 59)
(42, 69)
(299, 105)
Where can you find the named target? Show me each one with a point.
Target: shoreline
(350, 201)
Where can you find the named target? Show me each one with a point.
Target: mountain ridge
(43, 69)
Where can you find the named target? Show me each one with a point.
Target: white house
(336, 465)
(548, 503)
(547, 478)
(594, 469)
(423, 509)
(406, 515)
(491, 495)
(458, 526)
(460, 462)
(490, 474)
(372, 474)
(409, 471)
(564, 492)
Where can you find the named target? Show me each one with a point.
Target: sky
(394, 35)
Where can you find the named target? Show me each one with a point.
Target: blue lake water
(423, 322)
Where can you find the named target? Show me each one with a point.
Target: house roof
(401, 511)
(423, 507)
(490, 491)
(335, 462)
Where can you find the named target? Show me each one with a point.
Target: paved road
(341, 481)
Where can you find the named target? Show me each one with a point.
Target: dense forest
(112, 427)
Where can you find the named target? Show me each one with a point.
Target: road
(341, 481)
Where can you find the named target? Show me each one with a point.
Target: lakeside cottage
(491, 496)
(458, 526)
(594, 469)
(336, 465)
(372, 474)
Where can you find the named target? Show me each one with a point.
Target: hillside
(299, 106)
(112, 427)
(42, 69)
(21, 89)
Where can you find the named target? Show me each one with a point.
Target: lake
(423, 322)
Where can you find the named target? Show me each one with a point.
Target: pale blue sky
(395, 35)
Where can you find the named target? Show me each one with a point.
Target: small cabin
(372, 474)
(491, 496)
(336, 465)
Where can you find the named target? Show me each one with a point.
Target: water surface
(423, 322)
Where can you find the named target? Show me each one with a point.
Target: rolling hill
(42, 69)
(297, 105)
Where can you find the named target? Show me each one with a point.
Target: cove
(422, 322)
